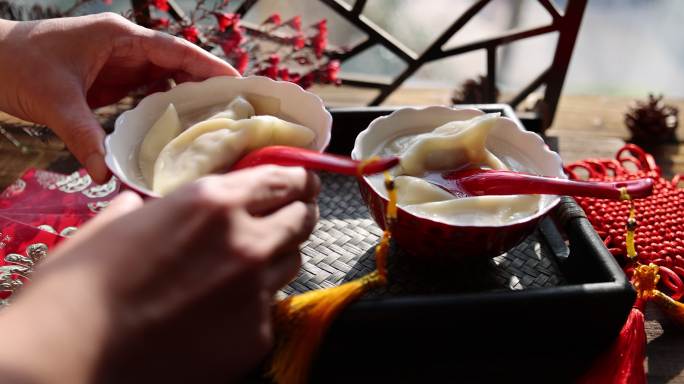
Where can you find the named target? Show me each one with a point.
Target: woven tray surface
(342, 248)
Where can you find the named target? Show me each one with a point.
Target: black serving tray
(533, 335)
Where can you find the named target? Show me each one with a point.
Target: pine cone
(652, 122)
(473, 91)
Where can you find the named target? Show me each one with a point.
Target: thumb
(74, 122)
(124, 203)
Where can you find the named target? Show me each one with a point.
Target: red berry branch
(281, 50)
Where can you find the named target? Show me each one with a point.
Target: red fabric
(44, 208)
(39, 191)
(15, 238)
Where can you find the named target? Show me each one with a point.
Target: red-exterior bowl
(436, 241)
(441, 242)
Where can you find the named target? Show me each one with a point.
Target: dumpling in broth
(422, 198)
(215, 144)
(450, 146)
(480, 210)
(169, 125)
(413, 190)
(199, 150)
(166, 127)
(454, 145)
(238, 109)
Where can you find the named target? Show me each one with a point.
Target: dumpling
(264, 105)
(166, 127)
(271, 130)
(413, 190)
(420, 197)
(238, 109)
(215, 144)
(481, 210)
(454, 145)
(244, 107)
(450, 146)
(199, 150)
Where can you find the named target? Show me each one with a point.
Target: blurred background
(625, 50)
(624, 47)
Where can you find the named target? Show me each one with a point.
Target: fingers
(282, 270)
(269, 211)
(259, 190)
(73, 121)
(176, 54)
(124, 203)
(288, 227)
(275, 187)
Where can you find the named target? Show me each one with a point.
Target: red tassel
(624, 362)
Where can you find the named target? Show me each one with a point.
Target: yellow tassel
(646, 278)
(302, 320)
(631, 225)
(671, 307)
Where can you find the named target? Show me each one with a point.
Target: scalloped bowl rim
(519, 131)
(117, 169)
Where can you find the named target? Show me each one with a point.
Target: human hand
(54, 71)
(178, 290)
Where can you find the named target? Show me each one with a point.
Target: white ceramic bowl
(519, 149)
(296, 105)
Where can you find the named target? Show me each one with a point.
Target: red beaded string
(660, 231)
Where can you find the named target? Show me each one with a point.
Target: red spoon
(477, 182)
(293, 156)
(473, 182)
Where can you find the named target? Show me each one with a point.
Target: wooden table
(586, 126)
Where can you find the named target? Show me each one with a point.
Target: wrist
(55, 330)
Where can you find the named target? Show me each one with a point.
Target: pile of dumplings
(454, 145)
(171, 156)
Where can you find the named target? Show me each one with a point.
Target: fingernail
(96, 167)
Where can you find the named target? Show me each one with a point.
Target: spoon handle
(293, 156)
(493, 182)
